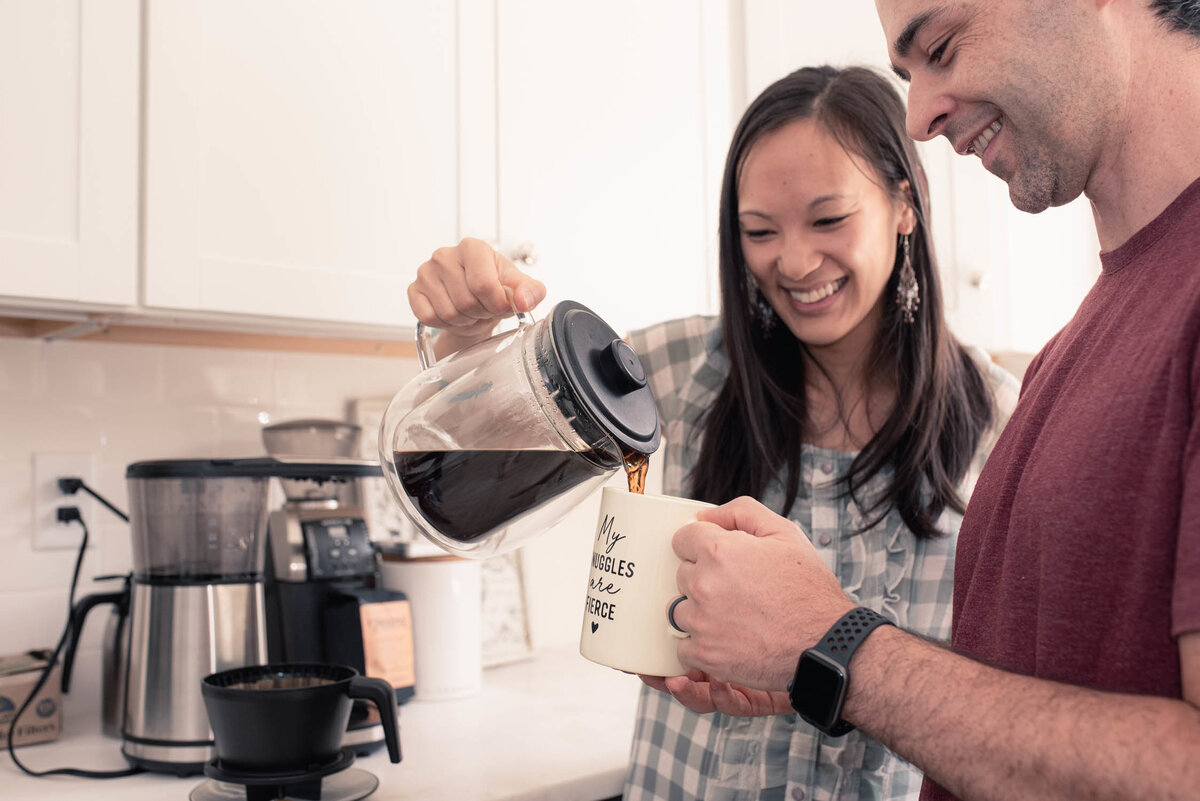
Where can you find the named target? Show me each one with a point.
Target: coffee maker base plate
(171, 759)
(350, 784)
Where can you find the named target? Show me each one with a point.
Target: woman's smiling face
(819, 233)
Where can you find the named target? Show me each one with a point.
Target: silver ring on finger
(671, 613)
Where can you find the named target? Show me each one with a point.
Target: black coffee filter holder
(285, 719)
(305, 784)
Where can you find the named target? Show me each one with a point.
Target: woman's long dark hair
(754, 430)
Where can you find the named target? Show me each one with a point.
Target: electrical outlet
(48, 468)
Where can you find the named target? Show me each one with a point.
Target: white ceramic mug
(632, 582)
(446, 595)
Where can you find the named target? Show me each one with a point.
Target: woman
(829, 388)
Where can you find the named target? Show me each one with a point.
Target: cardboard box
(42, 720)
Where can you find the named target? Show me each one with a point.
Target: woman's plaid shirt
(678, 754)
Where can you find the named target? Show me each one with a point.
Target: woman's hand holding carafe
(465, 290)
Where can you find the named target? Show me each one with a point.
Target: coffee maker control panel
(338, 548)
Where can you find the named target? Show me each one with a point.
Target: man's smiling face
(1022, 85)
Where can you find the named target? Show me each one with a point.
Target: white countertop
(552, 728)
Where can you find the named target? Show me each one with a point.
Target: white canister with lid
(446, 594)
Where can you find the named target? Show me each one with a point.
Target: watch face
(817, 689)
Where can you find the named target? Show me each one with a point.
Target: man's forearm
(984, 733)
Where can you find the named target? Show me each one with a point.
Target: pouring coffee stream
(636, 467)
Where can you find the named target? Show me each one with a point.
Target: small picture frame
(506, 635)
(384, 519)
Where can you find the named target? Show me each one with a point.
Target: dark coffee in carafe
(466, 494)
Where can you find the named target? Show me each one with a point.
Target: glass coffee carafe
(499, 441)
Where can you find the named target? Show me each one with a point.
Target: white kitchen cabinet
(612, 125)
(68, 151)
(301, 158)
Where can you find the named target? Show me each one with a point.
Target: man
(1075, 669)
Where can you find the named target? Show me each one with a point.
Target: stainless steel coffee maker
(196, 599)
(193, 605)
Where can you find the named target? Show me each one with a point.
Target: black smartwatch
(818, 690)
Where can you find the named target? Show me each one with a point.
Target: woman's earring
(908, 293)
(759, 308)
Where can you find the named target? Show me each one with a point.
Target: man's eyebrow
(904, 41)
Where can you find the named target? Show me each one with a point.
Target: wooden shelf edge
(99, 329)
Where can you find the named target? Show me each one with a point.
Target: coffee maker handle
(425, 355)
(78, 613)
(381, 694)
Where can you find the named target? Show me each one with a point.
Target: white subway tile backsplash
(32, 619)
(197, 375)
(116, 554)
(136, 431)
(72, 376)
(44, 426)
(127, 403)
(16, 483)
(297, 385)
(22, 373)
(239, 432)
(88, 370)
(24, 570)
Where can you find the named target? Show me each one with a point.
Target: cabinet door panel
(602, 124)
(68, 150)
(301, 158)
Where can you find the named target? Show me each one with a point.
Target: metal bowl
(313, 439)
(319, 438)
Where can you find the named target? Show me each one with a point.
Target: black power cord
(70, 486)
(66, 514)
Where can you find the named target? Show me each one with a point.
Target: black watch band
(840, 642)
(818, 690)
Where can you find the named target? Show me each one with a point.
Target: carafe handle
(381, 694)
(425, 339)
(78, 613)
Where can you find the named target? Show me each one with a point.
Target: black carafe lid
(604, 376)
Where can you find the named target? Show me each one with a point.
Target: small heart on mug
(595, 626)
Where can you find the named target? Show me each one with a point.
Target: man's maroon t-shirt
(1079, 555)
